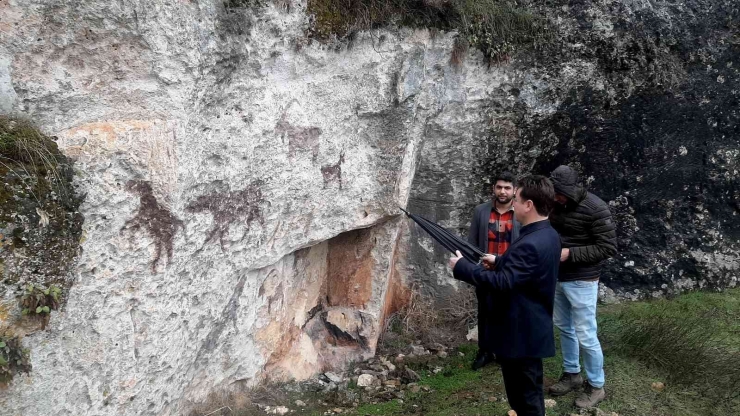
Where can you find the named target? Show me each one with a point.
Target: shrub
(38, 301)
(430, 320)
(13, 358)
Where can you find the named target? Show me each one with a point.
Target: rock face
(241, 182)
(40, 233)
(240, 194)
(640, 98)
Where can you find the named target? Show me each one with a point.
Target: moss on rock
(40, 226)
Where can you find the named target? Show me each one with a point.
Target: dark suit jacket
(478, 234)
(521, 290)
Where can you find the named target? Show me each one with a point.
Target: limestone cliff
(239, 180)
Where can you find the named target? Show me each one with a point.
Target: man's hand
(488, 260)
(453, 260)
(564, 254)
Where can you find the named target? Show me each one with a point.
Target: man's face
(503, 192)
(561, 199)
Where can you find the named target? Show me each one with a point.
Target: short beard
(504, 202)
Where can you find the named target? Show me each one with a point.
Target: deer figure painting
(333, 172)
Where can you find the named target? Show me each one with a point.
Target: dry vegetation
(430, 320)
(495, 27)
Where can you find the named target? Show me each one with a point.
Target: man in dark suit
(492, 229)
(521, 284)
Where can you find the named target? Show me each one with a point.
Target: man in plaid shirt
(492, 229)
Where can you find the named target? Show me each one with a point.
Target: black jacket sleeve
(519, 268)
(604, 236)
(474, 225)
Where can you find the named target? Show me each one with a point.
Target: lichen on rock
(40, 227)
(40, 230)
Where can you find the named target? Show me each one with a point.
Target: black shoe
(482, 359)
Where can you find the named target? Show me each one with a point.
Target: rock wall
(241, 181)
(642, 99)
(240, 187)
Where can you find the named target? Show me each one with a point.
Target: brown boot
(590, 397)
(568, 382)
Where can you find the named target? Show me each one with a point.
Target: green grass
(629, 391)
(630, 374)
(27, 153)
(691, 340)
(456, 390)
(22, 143)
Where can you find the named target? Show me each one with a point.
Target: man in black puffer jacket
(588, 237)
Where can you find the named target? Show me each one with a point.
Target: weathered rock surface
(240, 194)
(241, 183)
(642, 99)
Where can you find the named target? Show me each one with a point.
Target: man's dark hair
(539, 190)
(506, 177)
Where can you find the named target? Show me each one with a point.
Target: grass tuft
(691, 342)
(498, 27)
(495, 27)
(24, 149)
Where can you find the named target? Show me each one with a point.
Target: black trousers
(484, 333)
(524, 387)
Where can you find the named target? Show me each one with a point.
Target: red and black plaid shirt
(499, 231)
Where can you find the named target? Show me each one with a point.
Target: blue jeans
(575, 316)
